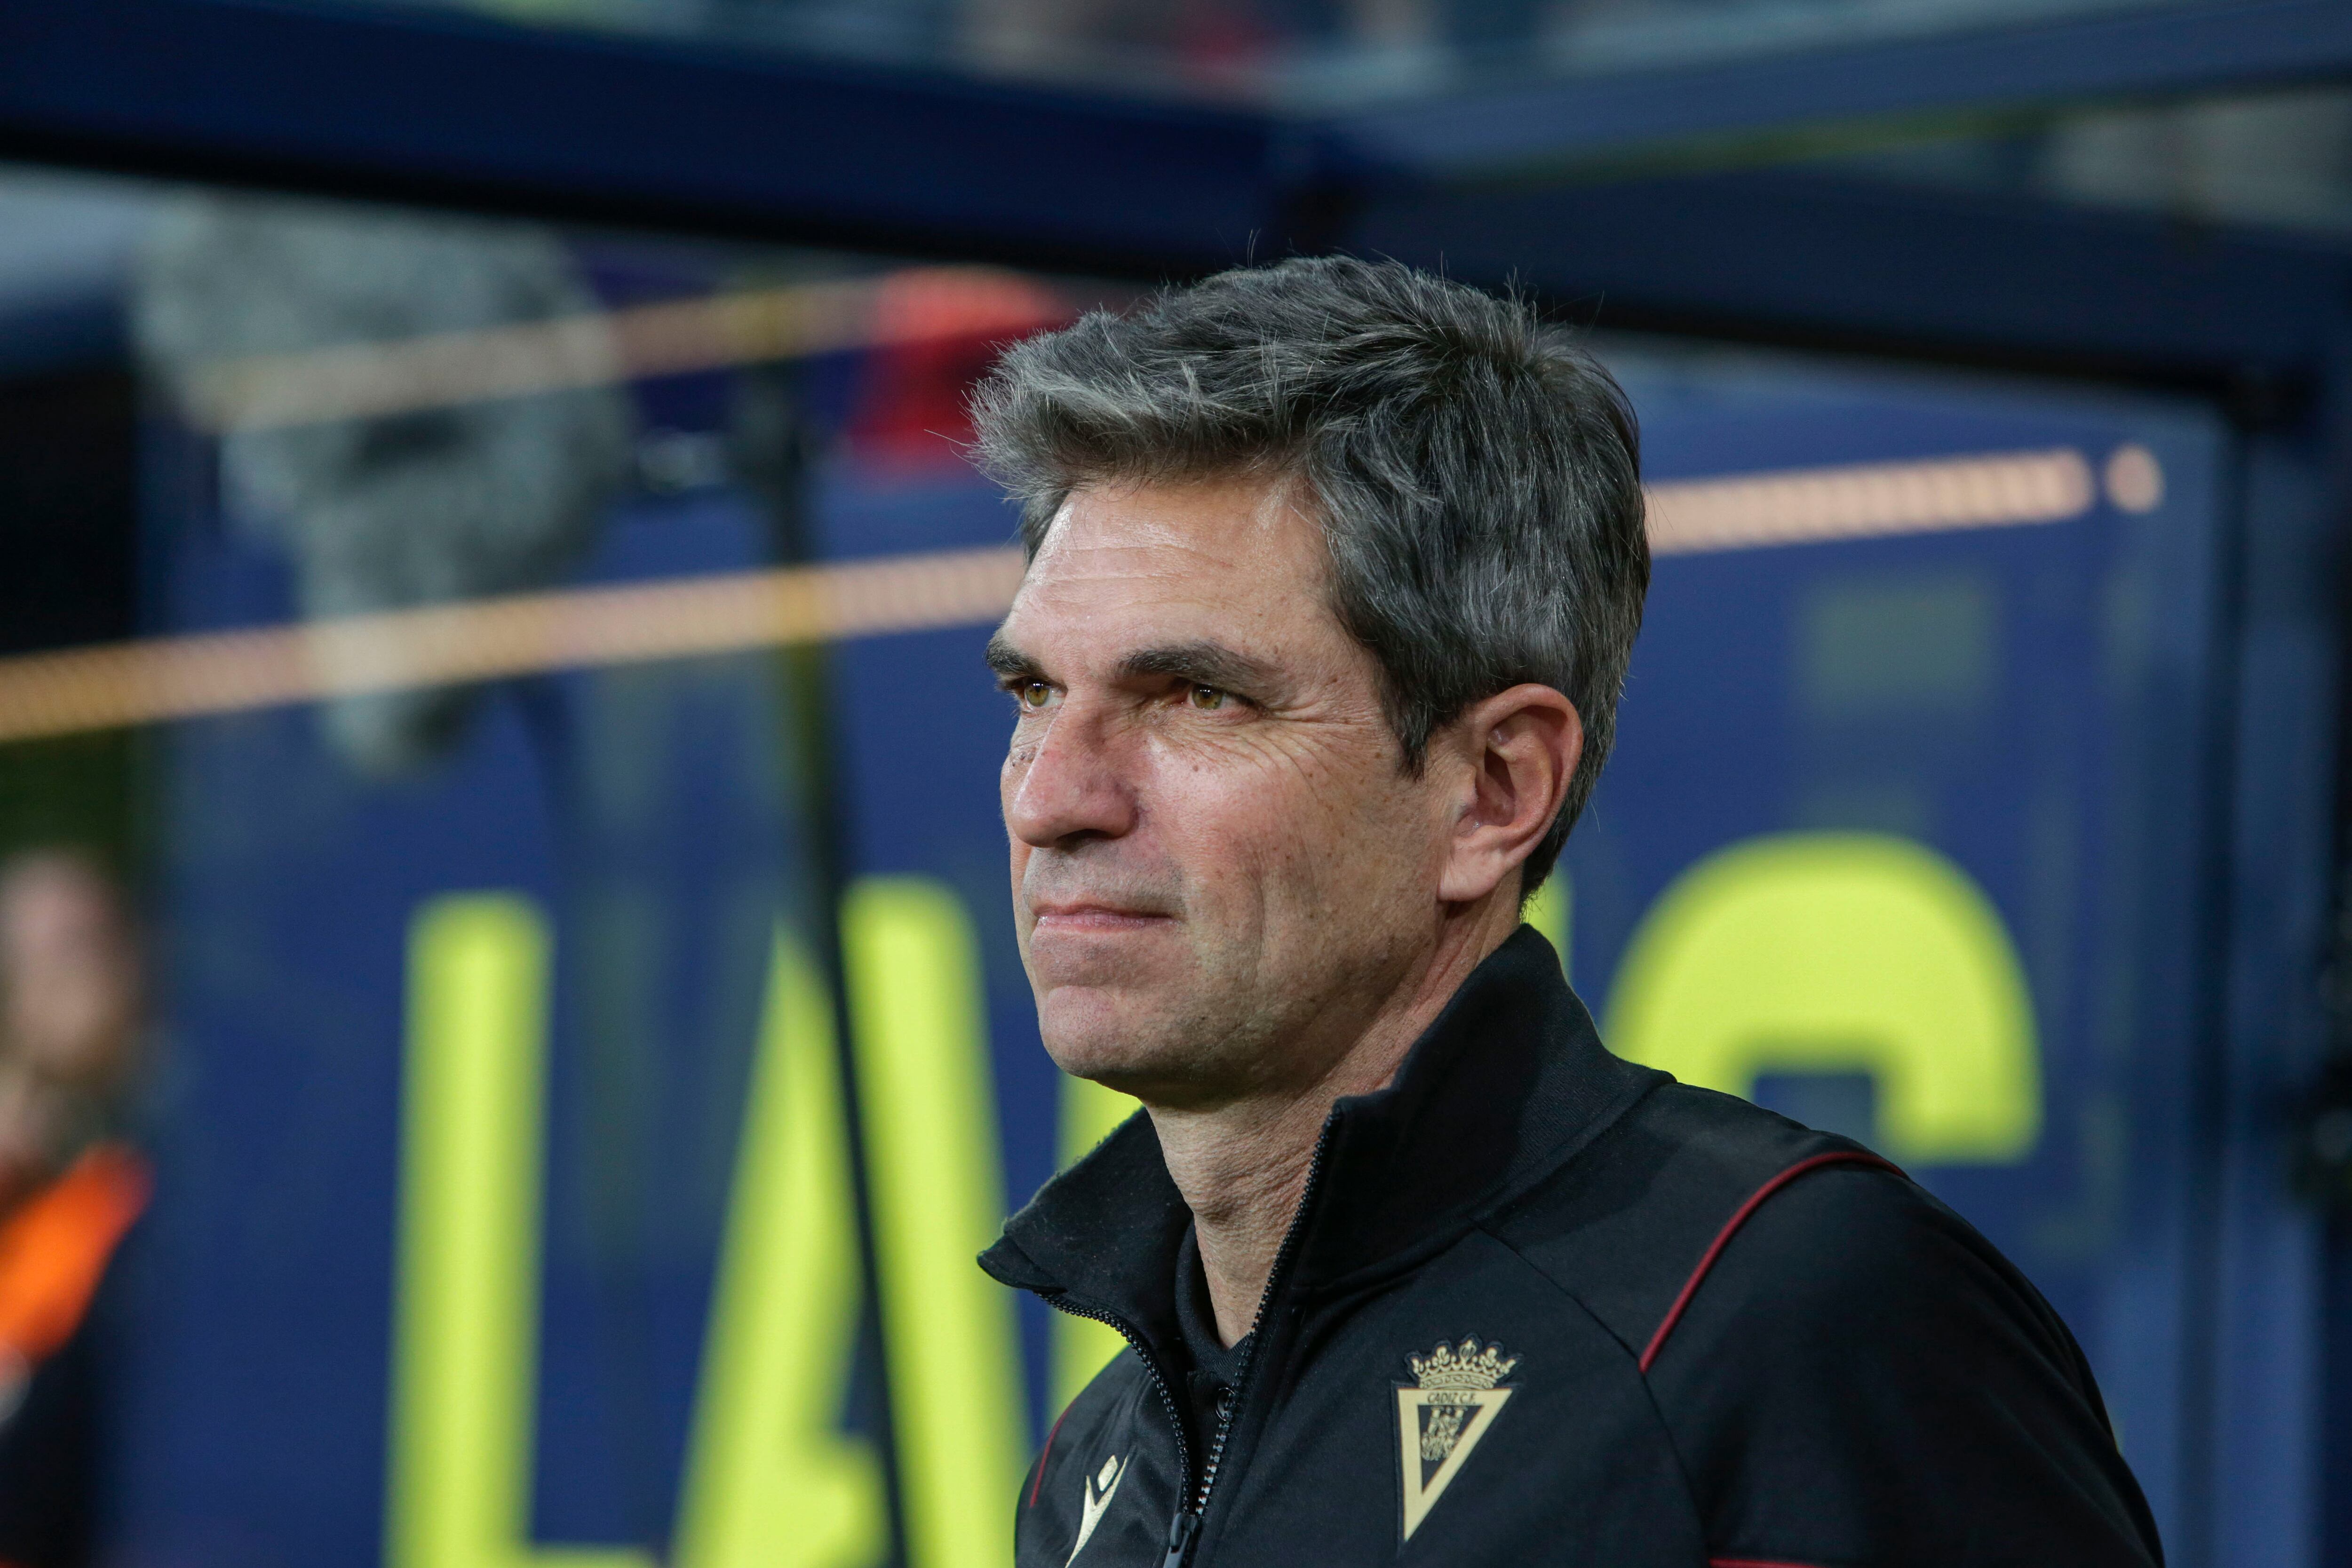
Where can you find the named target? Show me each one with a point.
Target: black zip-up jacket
(1543, 1306)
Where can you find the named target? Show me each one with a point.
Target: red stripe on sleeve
(1723, 1238)
(1046, 1452)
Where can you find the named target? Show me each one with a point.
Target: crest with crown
(1469, 1367)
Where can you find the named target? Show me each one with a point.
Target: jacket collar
(1507, 1083)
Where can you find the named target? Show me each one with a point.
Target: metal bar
(365, 380)
(440, 106)
(525, 634)
(1642, 118)
(191, 675)
(458, 110)
(1881, 268)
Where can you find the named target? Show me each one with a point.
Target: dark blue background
(650, 810)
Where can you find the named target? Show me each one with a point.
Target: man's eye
(1035, 694)
(1208, 698)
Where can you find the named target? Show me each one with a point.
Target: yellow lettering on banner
(937, 1185)
(770, 1482)
(1825, 952)
(465, 1352)
(1081, 1346)
(1552, 911)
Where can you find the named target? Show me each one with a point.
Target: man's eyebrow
(1009, 662)
(1204, 663)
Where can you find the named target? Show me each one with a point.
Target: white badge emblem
(1441, 1417)
(1099, 1487)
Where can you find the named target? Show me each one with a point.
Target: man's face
(68, 972)
(1219, 869)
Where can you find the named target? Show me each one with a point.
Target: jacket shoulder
(1865, 1378)
(1623, 1226)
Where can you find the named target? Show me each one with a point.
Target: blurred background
(509, 1028)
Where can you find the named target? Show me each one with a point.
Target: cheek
(1296, 827)
(1370, 842)
(1208, 817)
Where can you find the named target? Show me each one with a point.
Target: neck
(1243, 1165)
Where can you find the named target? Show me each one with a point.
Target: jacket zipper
(1150, 1370)
(1185, 1528)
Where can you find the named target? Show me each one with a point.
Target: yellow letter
(1835, 952)
(465, 1314)
(1552, 911)
(770, 1481)
(1083, 1347)
(929, 1109)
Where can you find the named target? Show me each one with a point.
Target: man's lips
(1091, 917)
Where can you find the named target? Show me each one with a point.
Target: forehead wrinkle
(1260, 506)
(1163, 552)
(1147, 563)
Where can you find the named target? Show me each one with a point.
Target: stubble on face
(1220, 871)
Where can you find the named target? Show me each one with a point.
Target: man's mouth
(1078, 915)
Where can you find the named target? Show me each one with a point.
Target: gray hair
(1477, 476)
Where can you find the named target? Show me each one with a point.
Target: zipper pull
(1180, 1532)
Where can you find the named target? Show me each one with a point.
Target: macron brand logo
(1099, 1487)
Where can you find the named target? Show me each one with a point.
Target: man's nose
(1071, 786)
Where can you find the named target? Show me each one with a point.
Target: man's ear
(1523, 746)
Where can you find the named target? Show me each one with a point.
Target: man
(1335, 570)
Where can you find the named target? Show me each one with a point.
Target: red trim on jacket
(1723, 1238)
(1043, 1453)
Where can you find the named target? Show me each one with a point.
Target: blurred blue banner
(574, 1146)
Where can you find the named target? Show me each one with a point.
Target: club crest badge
(1442, 1415)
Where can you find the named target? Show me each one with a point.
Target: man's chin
(1111, 1035)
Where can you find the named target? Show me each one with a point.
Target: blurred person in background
(72, 1004)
